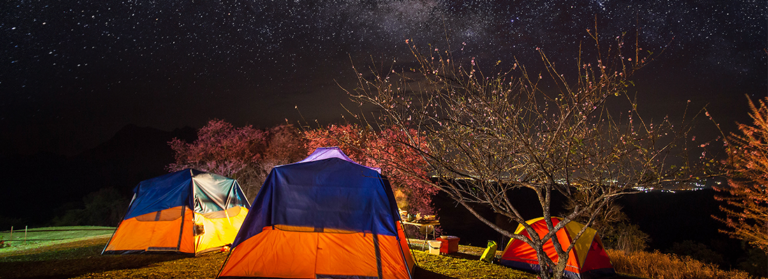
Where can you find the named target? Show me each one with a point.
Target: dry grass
(203, 266)
(668, 266)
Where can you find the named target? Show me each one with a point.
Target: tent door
(166, 235)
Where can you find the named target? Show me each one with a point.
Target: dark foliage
(105, 207)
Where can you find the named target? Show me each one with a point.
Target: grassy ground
(43, 237)
(82, 259)
(76, 254)
(69, 260)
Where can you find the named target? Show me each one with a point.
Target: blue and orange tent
(323, 217)
(187, 211)
(587, 259)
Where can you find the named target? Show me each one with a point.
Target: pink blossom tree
(379, 149)
(244, 153)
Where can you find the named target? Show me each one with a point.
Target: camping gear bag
(489, 252)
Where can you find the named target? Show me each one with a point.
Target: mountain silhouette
(40, 186)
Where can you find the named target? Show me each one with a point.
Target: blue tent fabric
(161, 192)
(328, 193)
(213, 193)
(216, 193)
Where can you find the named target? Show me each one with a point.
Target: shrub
(697, 251)
(104, 207)
(754, 262)
(626, 237)
(667, 266)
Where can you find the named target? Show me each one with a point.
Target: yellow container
(434, 246)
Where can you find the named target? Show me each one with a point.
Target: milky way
(73, 72)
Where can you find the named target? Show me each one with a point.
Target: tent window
(163, 215)
(223, 213)
(310, 229)
(295, 228)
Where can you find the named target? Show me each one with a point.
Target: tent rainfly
(323, 217)
(187, 211)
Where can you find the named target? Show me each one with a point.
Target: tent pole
(377, 249)
(403, 253)
(221, 269)
(409, 243)
(181, 230)
(113, 235)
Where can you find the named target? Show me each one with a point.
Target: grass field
(79, 257)
(75, 252)
(43, 237)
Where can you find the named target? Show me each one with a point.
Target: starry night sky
(72, 73)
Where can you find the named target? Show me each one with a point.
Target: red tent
(587, 259)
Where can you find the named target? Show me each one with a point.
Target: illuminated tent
(187, 211)
(323, 217)
(587, 259)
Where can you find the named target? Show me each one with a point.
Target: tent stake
(11, 232)
(25, 234)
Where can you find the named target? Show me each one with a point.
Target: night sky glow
(74, 72)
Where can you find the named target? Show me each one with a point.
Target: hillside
(46, 184)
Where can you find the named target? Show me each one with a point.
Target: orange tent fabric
(183, 212)
(587, 259)
(323, 217)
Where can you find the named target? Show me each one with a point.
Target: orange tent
(186, 211)
(587, 259)
(323, 217)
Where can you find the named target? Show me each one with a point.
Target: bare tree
(579, 136)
